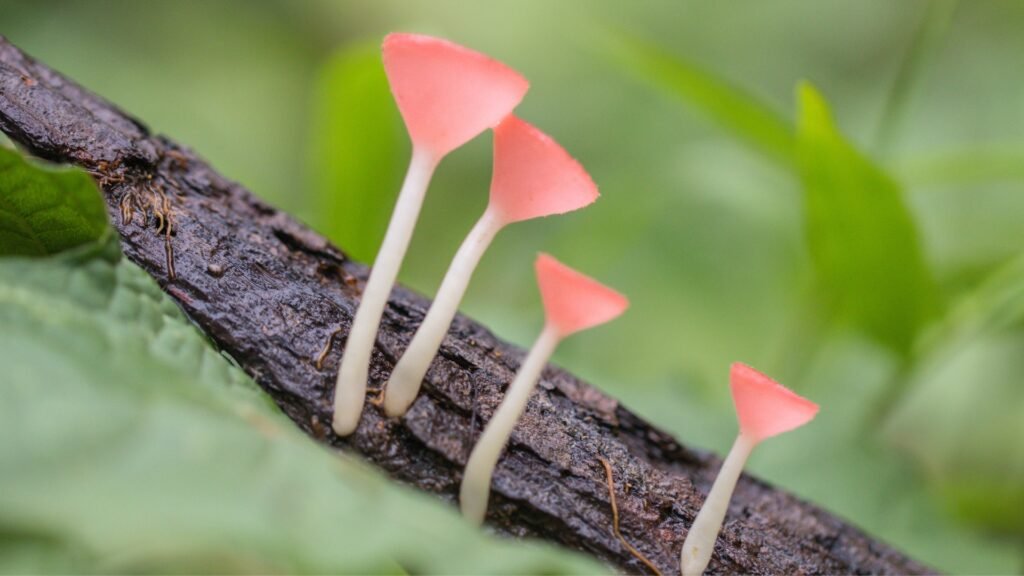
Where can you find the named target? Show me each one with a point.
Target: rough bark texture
(270, 293)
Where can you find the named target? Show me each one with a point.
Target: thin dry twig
(319, 362)
(615, 519)
(169, 251)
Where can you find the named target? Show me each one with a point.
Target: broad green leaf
(43, 210)
(356, 152)
(863, 242)
(757, 124)
(127, 444)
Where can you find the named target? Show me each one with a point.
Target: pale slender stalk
(476, 481)
(350, 392)
(700, 540)
(408, 374)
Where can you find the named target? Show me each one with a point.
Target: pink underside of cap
(766, 408)
(447, 93)
(533, 175)
(572, 301)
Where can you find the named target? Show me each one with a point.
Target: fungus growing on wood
(533, 177)
(572, 302)
(764, 408)
(447, 94)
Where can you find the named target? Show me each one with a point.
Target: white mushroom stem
(700, 540)
(350, 392)
(405, 380)
(476, 481)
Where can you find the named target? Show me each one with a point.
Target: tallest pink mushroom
(447, 95)
(764, 408)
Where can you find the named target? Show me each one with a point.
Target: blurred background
(831, 192)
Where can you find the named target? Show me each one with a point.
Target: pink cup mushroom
(572, 302)
(533, 177)
(765, 408)
(447, 94)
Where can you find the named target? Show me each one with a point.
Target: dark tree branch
(270, 293)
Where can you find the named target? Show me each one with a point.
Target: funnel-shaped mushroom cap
(448, 93)
(572, 301)
(766, 408)
(533, 175)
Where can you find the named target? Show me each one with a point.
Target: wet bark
(271, 293)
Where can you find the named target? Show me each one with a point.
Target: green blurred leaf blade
(863, 241)
(754, 122)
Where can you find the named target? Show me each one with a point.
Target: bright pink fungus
(572, 301)
(534, 176)
(766, 408)
(447, 93)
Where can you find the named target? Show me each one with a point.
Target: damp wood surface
(279, 299)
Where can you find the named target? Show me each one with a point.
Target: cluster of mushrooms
(447, 95)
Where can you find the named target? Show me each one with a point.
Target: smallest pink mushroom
(765, 408)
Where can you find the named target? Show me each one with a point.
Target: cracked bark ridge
(270, 293)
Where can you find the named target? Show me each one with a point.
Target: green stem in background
(970, 166)
(932, 28)
(982, 309)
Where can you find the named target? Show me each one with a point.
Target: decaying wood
(271, 293)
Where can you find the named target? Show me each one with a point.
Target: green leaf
(356, 151)
(44, 210)
(863, 242)
(127, 444)
(755, 123)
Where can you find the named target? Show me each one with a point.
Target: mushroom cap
(766, 408)
(447, 93)
(572, 301)
(533, 175)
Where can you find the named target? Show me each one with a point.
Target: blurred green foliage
(862, 250)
